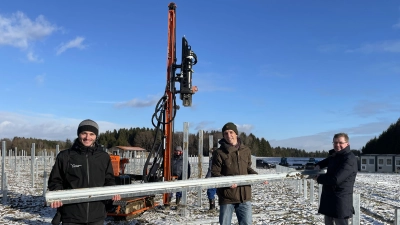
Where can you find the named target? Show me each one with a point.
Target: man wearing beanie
(230, 159)
(177, 170)
(84, 165)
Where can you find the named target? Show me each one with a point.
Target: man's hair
(338, 135)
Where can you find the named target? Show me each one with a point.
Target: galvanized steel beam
(135, 190)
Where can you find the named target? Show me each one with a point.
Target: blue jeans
(242, 210)
(211, 193)
(330, 220)
(178, 194)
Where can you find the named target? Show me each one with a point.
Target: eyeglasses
(340, 143)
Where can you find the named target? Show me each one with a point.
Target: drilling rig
(158, 164)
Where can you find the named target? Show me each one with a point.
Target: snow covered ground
(275, 203)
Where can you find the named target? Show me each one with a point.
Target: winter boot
(178, 200)
(212, 204)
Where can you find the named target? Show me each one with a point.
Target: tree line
(388, 141)
(146, 137)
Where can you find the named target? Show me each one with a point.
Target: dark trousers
(101, 222)
(332, 221)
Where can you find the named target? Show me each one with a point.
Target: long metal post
(397, 216)
(311, 191)
(300, 187)
(5, 190)
(133, 190)
(33, 164)
(356, 205)
(319, 193)
(3, 163)
(200, 154)
(57, 150)
(15, 158)
(185, 158)
(200, 166)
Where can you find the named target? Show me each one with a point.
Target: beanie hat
(230, 126)
(178, 148)
(88, 125)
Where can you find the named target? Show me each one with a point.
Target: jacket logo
(75, 166)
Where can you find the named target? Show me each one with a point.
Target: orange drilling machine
(158, 164)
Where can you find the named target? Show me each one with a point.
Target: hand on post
(56, 204)
(116, 197)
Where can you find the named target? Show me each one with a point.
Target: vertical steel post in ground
(3, 163)
(5, 190)
(200, 166)
(319, 193)
(397, 216)
(185, 161)
(356, 205)
(33, 164)
(311, 191)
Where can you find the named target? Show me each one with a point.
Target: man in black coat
(84, 165)
(338, 182)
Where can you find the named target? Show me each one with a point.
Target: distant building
(368, 162)
(381, 163)
(129, 151)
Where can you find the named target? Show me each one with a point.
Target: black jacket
(177, 165)
(82, 167)
(229, 160)
(338, 182)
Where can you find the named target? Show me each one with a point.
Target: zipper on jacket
(238, 161)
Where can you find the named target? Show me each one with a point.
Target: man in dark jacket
(230, 159)
(337, 190)
(177, 169)
(84, 165)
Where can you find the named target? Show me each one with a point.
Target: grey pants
(335, 221)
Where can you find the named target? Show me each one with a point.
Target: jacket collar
(78, 146)
(341, 152)
(228, 148)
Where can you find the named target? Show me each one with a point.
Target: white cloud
(358, 135)
(392, 46)
(245, 128)
(43, 126)
(33, 58)
(19, 31)
(40, 79)
(75, 43)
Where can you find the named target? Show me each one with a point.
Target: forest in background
(144, 138)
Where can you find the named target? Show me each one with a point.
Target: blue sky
(293, 72)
